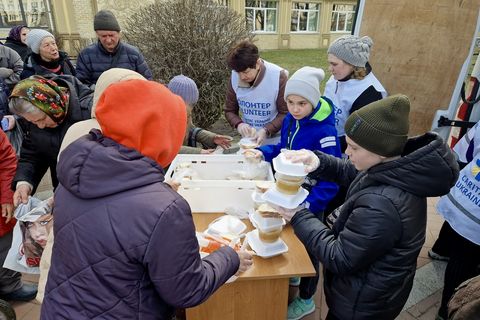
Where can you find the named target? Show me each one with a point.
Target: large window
(261, 15)
(33, 13)
(305, 17)
(342, 18)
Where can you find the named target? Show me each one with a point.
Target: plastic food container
(247, 143)
(284, 166)
(257, 200)
(262, 186)
(288, 184)
(269, 236)
(266, 224)
(287, 201)
(227, 225)
(265, 249)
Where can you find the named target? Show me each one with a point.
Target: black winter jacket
(370, 254)
(40, 147)
(21, 48)
(33, 66)
(94, 60)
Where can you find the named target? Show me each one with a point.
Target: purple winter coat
(125, 245)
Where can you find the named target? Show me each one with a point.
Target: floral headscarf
(44, 94)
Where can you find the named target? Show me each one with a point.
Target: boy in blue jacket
(309, 124)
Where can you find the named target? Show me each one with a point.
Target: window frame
(265, 11)
(20, 12)
(308, 11)
(344, 12)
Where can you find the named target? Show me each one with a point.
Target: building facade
(278, 24)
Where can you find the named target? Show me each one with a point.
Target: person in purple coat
(125, 244)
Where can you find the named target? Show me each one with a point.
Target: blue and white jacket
(315, 132)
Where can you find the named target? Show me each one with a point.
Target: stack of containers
(289, 176)
(288, 193)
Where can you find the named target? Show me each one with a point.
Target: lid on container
(248, 143)
(265, 224)
(263, 186)
(287, 167)
(227, 225)
(257, 197)
(275, 197)
(265, 249)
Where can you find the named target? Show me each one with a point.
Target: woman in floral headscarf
(50, 107)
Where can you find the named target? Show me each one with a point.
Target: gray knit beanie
(35, 37)
(352, 49)
(382, 126)
(105, 20)
(184, 87)
(305, 82)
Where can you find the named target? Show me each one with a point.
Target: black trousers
(444, 244)
(308, 285)
(331, 316)
(463, 263)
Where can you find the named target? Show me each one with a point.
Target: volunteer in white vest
(254, 103)
(352, 84)
(461, 210)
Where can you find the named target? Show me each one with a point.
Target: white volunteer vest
(258, 104)
(344, 93)
(462, 146)
(461, 207)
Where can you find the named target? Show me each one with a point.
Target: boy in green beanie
(370, 244)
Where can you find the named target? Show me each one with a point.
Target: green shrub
(189, 37)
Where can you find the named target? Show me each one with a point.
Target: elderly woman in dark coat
(45, 57)
(50, 107)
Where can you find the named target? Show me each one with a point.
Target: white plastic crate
(212, 167)
(215, 196)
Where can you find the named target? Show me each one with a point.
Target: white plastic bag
(34, 222)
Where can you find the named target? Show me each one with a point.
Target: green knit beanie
(382, 126)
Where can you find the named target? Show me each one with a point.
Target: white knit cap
(305, 82)
(35, 37)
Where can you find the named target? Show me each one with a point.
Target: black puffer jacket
(370, 255)
(40, 147)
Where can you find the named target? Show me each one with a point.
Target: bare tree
(189, 37)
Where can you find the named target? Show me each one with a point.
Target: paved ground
(423, 302)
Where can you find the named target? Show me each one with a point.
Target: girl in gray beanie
(352, 84)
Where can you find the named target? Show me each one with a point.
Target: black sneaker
(26, 292)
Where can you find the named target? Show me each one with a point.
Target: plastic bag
(34, 222)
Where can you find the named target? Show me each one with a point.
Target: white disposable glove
(261, 136)
(307, 157)
(252, 154)
(246, 130)
(287, 214)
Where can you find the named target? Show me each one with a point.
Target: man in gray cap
(109, 52)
